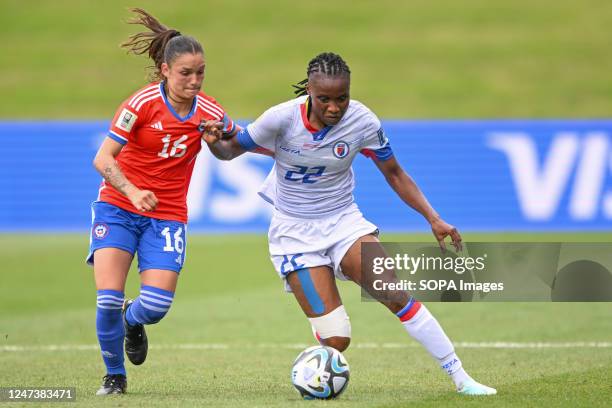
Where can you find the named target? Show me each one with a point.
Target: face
(329, 96)
(184, 76)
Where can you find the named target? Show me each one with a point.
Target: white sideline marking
(300, 346)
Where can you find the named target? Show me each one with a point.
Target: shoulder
(275, 120)
(143, 96)
(285, 111)
(287, 108)
(131, 114)
(210, 106)
(282, 113)
(361, 114)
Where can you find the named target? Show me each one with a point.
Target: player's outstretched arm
(105, 163)
(409, 192)
(222, 146)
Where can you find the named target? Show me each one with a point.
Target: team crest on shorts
(341, 149)
(100, 231)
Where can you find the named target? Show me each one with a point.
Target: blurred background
(501, 111)
(498, 110)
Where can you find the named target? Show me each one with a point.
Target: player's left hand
(441, 230)
(212, 131)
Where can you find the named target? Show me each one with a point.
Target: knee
(152, 305)
(139, 312)
(333, 329)
(339, 343)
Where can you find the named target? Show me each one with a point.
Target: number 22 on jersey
(305, 174)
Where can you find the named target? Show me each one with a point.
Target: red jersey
(160, 149)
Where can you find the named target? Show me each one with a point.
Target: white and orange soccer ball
(320, 372)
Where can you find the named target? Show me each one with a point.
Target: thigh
(162, 245)
(113, 242)
(111, 268)
(159, 278)
(111, 227)
(351, 265)
(315, 290)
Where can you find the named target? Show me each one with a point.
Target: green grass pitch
(232, 334)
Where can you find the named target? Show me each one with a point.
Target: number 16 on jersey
(178, 148)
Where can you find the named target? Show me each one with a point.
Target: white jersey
(313, 176)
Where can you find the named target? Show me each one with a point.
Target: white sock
(452, 365)
(425, 329)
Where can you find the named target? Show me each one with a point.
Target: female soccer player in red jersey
(146, 162)
(317, 230)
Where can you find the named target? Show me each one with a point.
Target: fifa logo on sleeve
(341, 149)
(126, 120)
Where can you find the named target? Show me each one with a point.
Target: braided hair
(326, 63)
(162, 44)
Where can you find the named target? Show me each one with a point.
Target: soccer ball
(320, 372)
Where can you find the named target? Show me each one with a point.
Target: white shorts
(297, 243)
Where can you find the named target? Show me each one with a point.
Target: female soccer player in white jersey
(317, 229)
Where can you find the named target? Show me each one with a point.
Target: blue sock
(109, 327)
(150, 307)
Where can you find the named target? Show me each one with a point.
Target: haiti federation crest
(341, 149)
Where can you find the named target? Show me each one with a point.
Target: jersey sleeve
(228, 124)
(124, 124)
(375, 143)
(262, 133)
(210, 105)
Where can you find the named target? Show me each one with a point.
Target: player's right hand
(143, 200)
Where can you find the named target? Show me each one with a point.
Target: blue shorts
(160, 244)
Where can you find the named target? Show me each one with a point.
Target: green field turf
(239, 334)
(410, 59)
